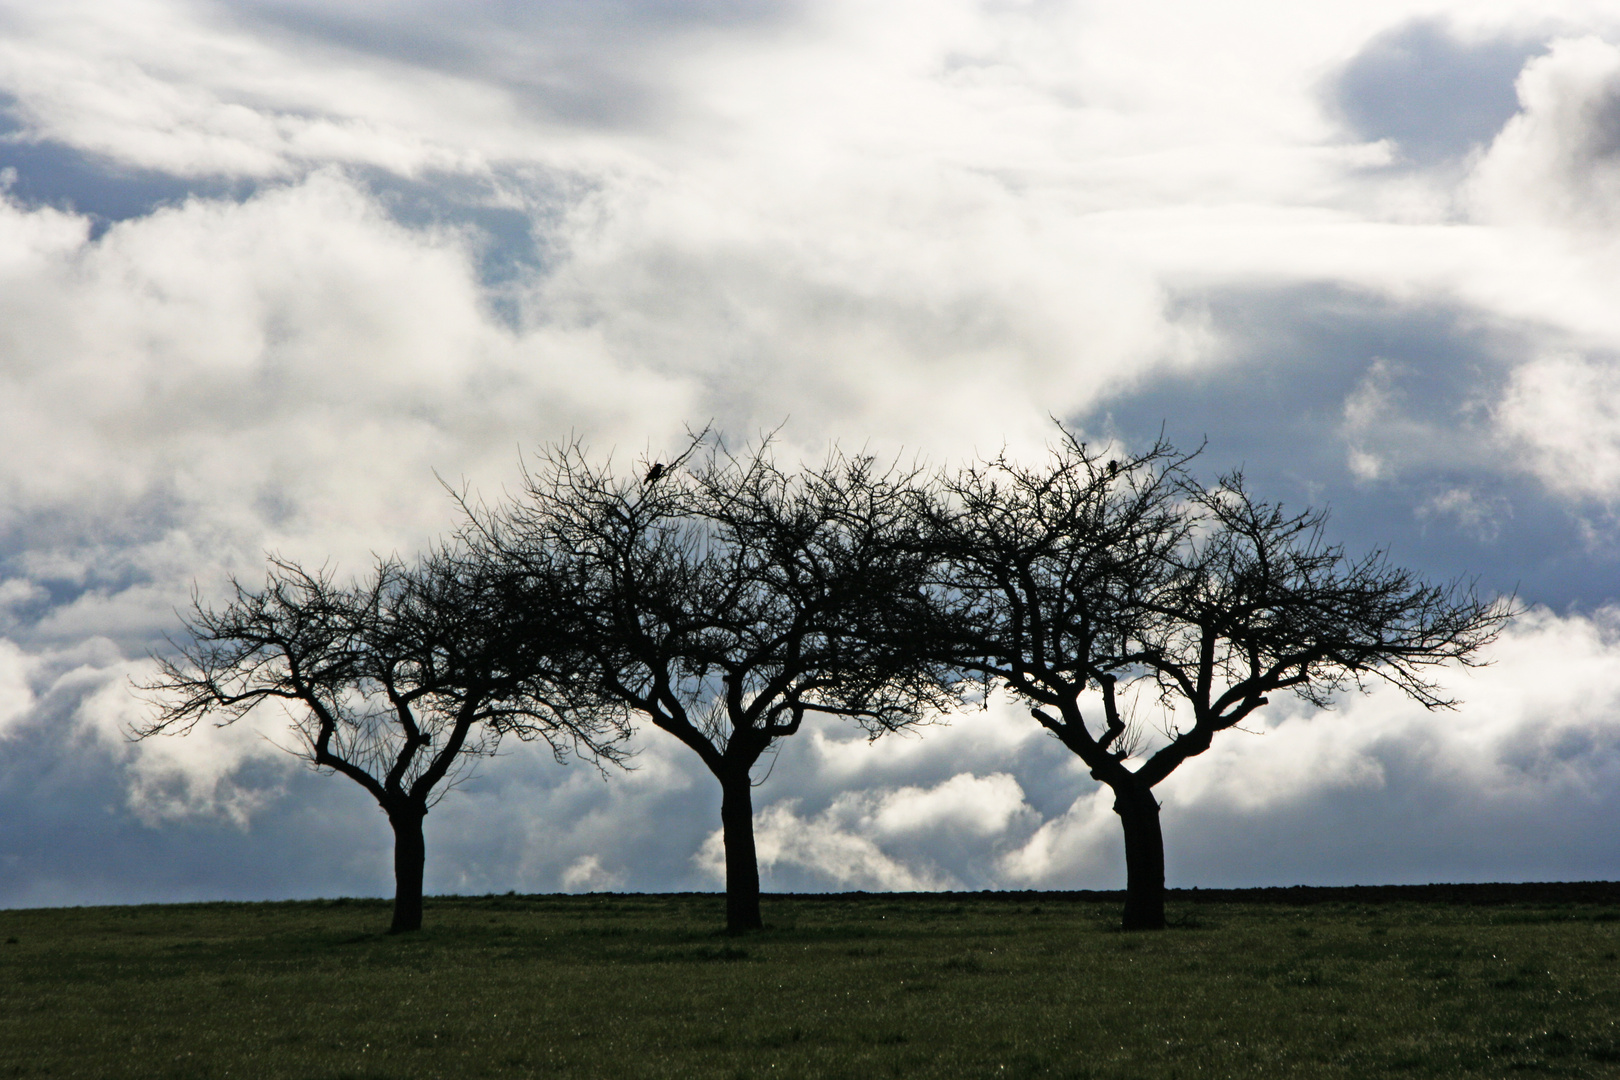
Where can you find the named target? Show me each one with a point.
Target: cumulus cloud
(1562, 413)
(232, 772)
(1406, 425)
(1479, 514)
(217, 379)
(171, 87)
(1558, 160)
(1367, 412)
(844, 859)
(1079, 848)
(81, 697)
(603, 64)
(16, 695)
(844, 846)
(587, 874)
(950, 282)
(1380, 790)
(1549, 687)
(337, 250)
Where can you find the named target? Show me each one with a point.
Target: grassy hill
(1448, 981)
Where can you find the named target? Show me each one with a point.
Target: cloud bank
(269, 271)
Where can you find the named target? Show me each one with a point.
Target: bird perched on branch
(655, 472)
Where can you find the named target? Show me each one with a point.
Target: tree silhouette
(1072, 583)
(399, 682)
(724, 599)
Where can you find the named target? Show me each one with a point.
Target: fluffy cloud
(178, 89)
(1563, 412)
(82, 697)
(844, 845)
(1534, 750)
(845, 859)
(1558, 160)
(338, 250)
(217, 379)
(586, 874)
(16, 695)
(1079, 848)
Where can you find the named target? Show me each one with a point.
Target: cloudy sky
(267, 265)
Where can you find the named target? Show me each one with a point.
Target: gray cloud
(1319, 382)
(510, 216)
(1377, 790)
(71, 834)
(451, 232)
(1555, 163)
(597, 64)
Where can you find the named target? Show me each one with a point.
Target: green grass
(870, 986)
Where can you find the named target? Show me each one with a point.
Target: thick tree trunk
(1138, 811)
(742, 864)
(410, 853)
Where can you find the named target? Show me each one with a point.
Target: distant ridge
(1476, 894)
(1483, 893)
(1531, 892)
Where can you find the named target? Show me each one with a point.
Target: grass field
(966, 985)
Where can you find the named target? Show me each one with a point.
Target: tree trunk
(410, 853)
(1138, 811)
(742, 864)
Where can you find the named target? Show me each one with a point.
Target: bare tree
(723, 599)
(399, 682)
(1075, 583)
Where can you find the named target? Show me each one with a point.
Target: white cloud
(174, 87)
(844, 859)
(587, 874)
(218, 379)
(1558, 161)
(1478, 514)
(79, 700)
(1367, 414)
(1541, 720)
(968, 804)
(932, 223)
(200, 775)
(940, 239)
(18, 592)
(844, 846)
(1561, 412)
(1000, 733)
(1535, 742)
(1080, 848)
(16, 695)
(525, 822)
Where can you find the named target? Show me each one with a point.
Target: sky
(272, 269)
